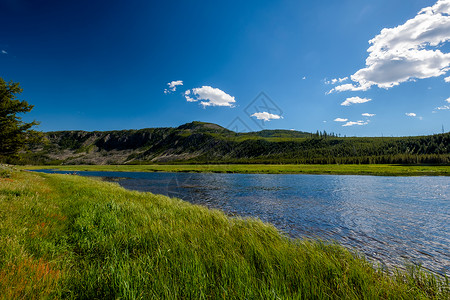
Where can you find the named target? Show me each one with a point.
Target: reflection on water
(390, 219)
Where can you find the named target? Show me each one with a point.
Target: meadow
(67, 236)
(348, 169)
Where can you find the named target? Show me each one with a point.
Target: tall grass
(66, 236)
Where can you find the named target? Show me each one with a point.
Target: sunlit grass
(66, 236)
(373, 169)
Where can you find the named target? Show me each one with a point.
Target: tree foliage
(14, 133)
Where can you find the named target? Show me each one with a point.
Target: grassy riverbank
(382, 170)
(72, 237)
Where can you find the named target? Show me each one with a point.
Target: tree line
(210, 143)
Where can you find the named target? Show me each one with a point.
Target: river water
(391, 220)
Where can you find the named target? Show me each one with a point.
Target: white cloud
(360, 123)
(348, 87)
(340, 120)
(447, 79)
(266, 116)
(354, 100)
(173, 86)
(4, 52)
(336, 80)
(410, 114)
(443, 107)
(406, 52)
(211, 96)
(304, 77)
(187, 95)
(367, 115)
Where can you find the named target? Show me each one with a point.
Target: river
(391, 220)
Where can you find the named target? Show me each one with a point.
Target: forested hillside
(199, 142)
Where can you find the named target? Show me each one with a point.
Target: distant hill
(199, 142)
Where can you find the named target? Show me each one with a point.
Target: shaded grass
(373, 169)
(72, 237)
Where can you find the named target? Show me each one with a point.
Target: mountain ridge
(201, 142)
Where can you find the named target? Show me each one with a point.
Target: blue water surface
(391, 220)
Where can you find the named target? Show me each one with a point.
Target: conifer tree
(14, 133)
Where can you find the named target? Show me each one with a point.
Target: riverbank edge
(273, 264)
(373, 170)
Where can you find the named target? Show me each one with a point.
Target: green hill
(200, 142)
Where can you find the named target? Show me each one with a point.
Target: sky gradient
(105, 65)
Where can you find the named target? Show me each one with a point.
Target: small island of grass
(372, 169)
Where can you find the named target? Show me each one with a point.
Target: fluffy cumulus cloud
(448, 100)
(340, 120)
(266, 116)
(411, 114)
(351, 123)
(447, 79)
(354, 100)
(173, 86)
(406, 52)
(367, 115)
(209, 96)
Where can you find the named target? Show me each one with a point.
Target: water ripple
(392, 220)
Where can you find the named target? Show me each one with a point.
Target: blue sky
(104, 65)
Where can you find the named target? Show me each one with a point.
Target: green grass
(374, 169)
(66, 236)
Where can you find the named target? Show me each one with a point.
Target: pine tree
(14, 133)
